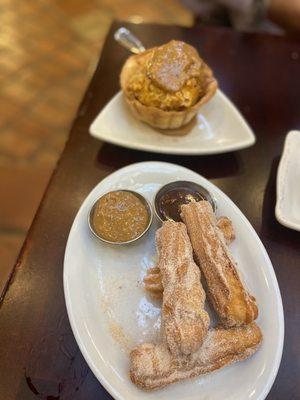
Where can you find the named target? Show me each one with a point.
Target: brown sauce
(120, 216)
(173, 64)
(169, 204)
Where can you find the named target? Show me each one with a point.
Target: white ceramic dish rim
(118, 396)
(283, 169)
(154, 148)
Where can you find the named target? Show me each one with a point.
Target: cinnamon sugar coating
(184, 320)
(232, 302)
(153, 366)
(152, 281)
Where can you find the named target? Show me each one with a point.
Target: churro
(234, 305)
(153, 366)
(184, 320)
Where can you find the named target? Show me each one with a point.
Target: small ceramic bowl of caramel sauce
(170, 197)
(120, 217)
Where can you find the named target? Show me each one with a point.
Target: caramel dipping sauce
(120, 216)
(171, 197)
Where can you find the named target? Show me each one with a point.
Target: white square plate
(218, 128)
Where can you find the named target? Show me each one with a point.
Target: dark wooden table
(39, 358)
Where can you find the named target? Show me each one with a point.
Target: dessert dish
(233, 304)
(107, 304)
(188, 347)
(184, 320)
(165, 86)
(152, 366)
(120, 216)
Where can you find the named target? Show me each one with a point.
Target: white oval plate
(110, 312)
(219, 128)
(287, 208)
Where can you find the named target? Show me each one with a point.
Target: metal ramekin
(143, 200)
(200, 189)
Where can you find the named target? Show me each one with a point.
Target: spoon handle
(126, 39)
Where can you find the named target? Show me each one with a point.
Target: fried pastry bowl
(165, 86)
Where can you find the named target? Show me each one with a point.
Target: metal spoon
(127, 39)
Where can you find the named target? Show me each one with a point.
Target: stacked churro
(153, 366)
(233, 304)
(189, 348)
(152, 280)
(184, 320)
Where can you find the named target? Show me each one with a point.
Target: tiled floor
(48, 49)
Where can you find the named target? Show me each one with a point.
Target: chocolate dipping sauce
(171, 197)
